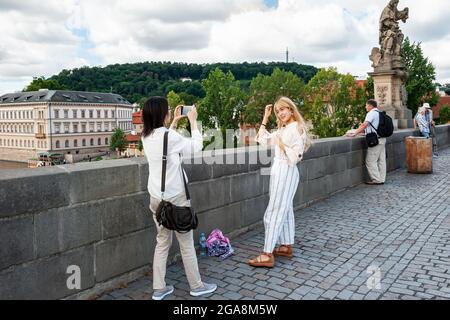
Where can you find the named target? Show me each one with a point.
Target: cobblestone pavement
(400, 231)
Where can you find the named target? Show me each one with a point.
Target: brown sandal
(259, 261)
(284, 251)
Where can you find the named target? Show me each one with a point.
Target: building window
(56, 114)
(74, 113)
(84, 143)
(91, 113)
(92, 142)
(106, 141)
(98, 114)
(66, 128)
(99, 141)
(57, 128)
(75, 143)
(91, 127)
(83, 114)
(58, 144)
(106, 113)
(75, 128)
(66, 114)
(99, 127)
(66, 144)
(112, 114)
(83, 127)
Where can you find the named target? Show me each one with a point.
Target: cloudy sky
(42, 37)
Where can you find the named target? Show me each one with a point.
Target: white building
(68, 122)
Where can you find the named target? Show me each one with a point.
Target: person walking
(376, 156)
(291, 141)
(156, 116)
(431, 125)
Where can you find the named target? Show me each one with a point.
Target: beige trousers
(164, 242)
(376, 162)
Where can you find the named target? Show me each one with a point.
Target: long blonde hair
(286, 102)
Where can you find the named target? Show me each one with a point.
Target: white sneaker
(161, 294)
(207, 288)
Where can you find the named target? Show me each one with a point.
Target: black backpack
(386, 126)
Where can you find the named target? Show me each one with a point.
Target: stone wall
(95, 215)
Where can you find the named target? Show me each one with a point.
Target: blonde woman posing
(291, 141)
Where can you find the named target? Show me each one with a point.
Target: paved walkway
(399, 232)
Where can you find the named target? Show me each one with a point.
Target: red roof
(133, 138)
(442, 102)
(361, 83)
(137, 118)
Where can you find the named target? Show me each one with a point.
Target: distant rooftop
(63, 96)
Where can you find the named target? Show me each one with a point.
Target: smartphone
(185, 110)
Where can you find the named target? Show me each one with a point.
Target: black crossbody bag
(372, 138)
(172, 217)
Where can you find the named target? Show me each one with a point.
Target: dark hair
(153, 114)
(372, 103)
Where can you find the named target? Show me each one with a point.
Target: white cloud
(39, 36)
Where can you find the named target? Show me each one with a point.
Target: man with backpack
(377, 127)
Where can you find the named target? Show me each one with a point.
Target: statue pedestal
(391, 96)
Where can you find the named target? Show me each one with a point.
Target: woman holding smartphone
(291, 141)
(156, 116)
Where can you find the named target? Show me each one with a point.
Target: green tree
(421, 75)
(334, 103)
(444, 114)
(222, 106)
(174, 100)
(42, 83)
(266, 90)
(118, 141)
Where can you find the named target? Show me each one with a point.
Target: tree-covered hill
(138, 80)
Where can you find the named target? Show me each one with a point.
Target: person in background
(421, 121)
(431, 125)
(376, 156)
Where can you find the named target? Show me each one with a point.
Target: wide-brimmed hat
(426, 105)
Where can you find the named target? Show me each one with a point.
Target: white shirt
(177, 144)
(292, 139)
(374, 118)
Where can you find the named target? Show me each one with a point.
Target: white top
(374, 118)
(177, 144)
(291, 137)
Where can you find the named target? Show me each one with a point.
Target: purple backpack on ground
(218, 245)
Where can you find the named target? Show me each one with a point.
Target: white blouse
(292, 139)
(177, 144)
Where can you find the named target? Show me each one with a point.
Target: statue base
(391, 96)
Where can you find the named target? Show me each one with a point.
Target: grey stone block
(103, 179)
(226, 218)
(252, 211)
(198, 172)
(336, 163)
(80, 225)
(358, 143)
(340, 145)
(319, 148)
(340, 181)
(259, 158)
(24, 191)
(16, 241)
(356, 175)
(315, 168)
(125, 214)
(46, 228)
(211, 194)
(143, 171)
(47, 278)
(299, 198)
(317, 189)
(121, 255)
(355, 159)
(246, 186)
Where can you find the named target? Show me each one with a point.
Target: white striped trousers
(279, 221)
